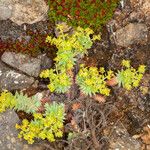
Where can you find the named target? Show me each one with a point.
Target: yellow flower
(44, 74)
(25, 122)
(60, 27)
(17, 126)
(109, 74)
(126, 63)
(48, 39)
(89, 31)
(136, 83)
(102, 70)
(88, 82)
(37, 116)
(139, 76)
(96, 37)
(50, 137)
(42, 135)
(79, 29)
(51, 87)
(59, 134)
(141, 68)
(105, 91)
(128, 86)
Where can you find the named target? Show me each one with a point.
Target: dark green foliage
(84, 13)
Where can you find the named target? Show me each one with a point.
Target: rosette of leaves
(47, 126)
(59, 82)
(129, 77)
(92, 80)
(25, 103)
(65, 61)
(19, 101)
(84, 13)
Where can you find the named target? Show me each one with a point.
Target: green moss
(84, 13)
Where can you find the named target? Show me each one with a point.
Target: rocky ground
(123, 120)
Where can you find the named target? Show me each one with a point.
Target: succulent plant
(84, 13)
(44, 126)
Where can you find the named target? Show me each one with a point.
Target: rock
(141, 6)
(5, 12)
(29, 65)
(9, 135)
(12, 80)
(22, 62)
(9, 30)
(6, 2)
(13, 32)
(46, 62)
(136, 16)
(29, 11)
(135, 3)
(132, 33)
(121, 140)
(8, 138)
(146, 8)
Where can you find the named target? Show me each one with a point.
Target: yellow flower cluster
(93, 80)
(58, 82)
(48, 126)
(69, 48)
(6, 101)
(129, 77)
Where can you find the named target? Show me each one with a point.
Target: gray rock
(9, 135)
(28, 11)
(29, 65)
(121, 140)
(46, 62)
(131, 34)
(22, 62)
(7, 130)
(9, 30)
(12, 80)
(5, 12)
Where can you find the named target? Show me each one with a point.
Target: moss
(84, 13)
